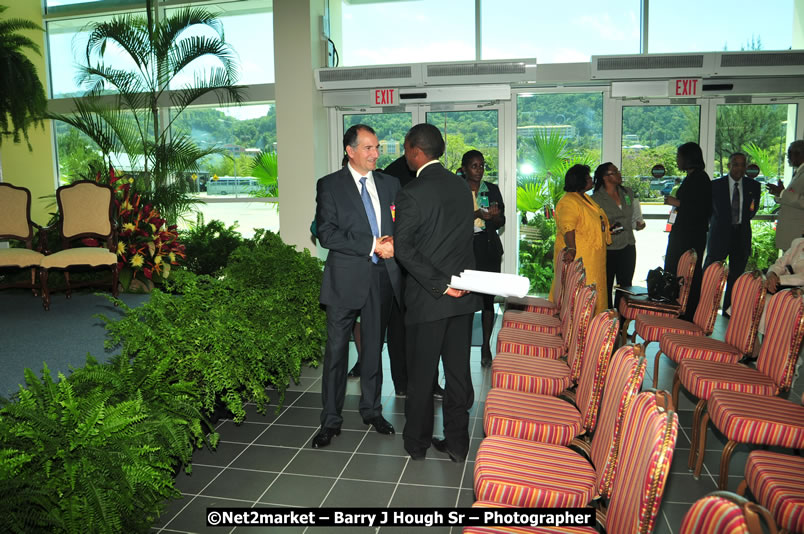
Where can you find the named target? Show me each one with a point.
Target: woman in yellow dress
(582, 226)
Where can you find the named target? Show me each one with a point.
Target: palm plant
(264, 169)
(22, 96)
(160, 53)
(765, 159)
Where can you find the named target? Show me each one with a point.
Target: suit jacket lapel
(385, 203)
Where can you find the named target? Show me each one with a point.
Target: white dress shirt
(741, 181)
(375, 198)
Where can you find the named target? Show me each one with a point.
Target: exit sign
(685, 87)
(385, 97)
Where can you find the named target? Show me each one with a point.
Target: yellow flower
(215, 177)
(130, 227)
(172, 257)
(126, 206)
(153, 228)
(121, 247)
(137, 261)
(194, 176)
(131, 180)
(157, 260)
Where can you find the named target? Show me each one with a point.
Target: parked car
(667, 187)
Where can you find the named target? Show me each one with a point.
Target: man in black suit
(354, 221)
(735, 201)
(433, 240)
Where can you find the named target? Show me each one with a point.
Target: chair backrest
(747, 303)
(560, 272)
(723, 512)
(600, 340)
(585, 301)
(685, 270)
(15, 214)
(574, 280)
(626, 371)
(714, 281)
(646, 447)
(85, 209)
(784, 328)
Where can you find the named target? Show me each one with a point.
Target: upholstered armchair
(16, 225)
(85, 211)
(723, 512)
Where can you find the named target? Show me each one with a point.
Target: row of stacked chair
(565, 423)
(85, 212)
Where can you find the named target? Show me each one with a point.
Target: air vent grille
(758, 59)
(475, 69)
(692, 61)
(368, 73)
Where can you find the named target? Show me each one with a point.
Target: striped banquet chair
(551, 419)
(526, 473)
(549, 324)
(550, 375)
(648, 440)
(748, 301)
(723, 512)
(652, 328)
(632, 305)
(542, 305)
(774, 371)
(777, 482)
(751, 419)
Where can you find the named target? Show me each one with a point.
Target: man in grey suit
(355, 219)
(434, 240)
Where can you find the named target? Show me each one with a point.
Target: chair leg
(700, 450)
(33, 281)
(45, 290)
(696, 420)
(724, 464)
(676, 388)
(115, 279)
(68, 291)
(742, 487)
(656, 368)
(624, 332)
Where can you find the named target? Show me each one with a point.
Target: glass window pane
(413, 31)
(651, 135)
(717, 25)
(554, 132)
(467, 130)
(67, 41)
(224, 180)
(390, 128)
(249, 30)
(554, 32)
(65, 6)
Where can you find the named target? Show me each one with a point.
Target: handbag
(663, 286)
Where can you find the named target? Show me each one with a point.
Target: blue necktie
(372, 217)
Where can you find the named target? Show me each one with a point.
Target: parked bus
(230, 185)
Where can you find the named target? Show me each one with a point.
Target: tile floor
(267, 461)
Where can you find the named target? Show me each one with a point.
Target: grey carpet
(61, 337)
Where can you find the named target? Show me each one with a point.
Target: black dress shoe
(324, 436)
(380, 424)
(441, 446)
(355, 371)
(417, 454)
(438, 392)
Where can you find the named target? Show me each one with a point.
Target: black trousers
(737, 254)
(450, 339)
(373, 321)
(397, 347)
(620, 264)
(678, 244)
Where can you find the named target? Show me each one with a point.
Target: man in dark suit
(433, 240)
(354, 220)
(735, 201)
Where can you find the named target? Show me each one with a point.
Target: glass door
(651, 134)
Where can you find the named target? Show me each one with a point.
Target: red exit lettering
(384, 97)
(686, 87)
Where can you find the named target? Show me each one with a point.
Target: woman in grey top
(625, 215)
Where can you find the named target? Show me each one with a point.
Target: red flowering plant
(145, 244)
